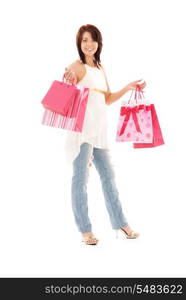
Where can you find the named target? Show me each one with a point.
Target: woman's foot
(129, 233)
(89, 238)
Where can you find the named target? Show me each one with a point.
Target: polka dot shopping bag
(135, 120)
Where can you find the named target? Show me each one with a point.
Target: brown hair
(96, 36)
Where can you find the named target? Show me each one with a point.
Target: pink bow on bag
(132, 110)
(65, 106)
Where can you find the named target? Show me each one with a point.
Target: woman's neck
(90, 61)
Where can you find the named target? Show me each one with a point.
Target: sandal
(90, 240)
(132, 235)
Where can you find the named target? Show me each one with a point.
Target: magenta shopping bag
(65, 106)
(135, 121)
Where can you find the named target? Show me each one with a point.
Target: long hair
(96, 36)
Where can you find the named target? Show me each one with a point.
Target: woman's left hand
(134, 84)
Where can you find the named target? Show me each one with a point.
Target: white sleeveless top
(94, 129)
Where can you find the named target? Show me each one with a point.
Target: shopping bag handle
(65, 82)
(138, 93)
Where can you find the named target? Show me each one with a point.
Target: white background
(141, 39)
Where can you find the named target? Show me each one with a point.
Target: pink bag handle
(65, 82)
(138, 94)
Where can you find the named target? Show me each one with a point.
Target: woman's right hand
(70, 76)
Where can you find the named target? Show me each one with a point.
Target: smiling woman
(90, 145)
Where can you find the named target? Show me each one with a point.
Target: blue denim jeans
(81, 167)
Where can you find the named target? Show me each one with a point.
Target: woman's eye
(86, 41)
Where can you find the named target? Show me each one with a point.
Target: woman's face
(88, 45)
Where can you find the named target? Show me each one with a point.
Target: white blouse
(94, 129)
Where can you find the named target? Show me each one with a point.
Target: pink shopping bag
(157, 134)
(65, 106)
(59, 97)
(135, 121)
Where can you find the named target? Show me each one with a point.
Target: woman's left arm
(112, 97)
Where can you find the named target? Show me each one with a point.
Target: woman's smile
(89, 49)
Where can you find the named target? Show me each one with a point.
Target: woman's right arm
(72, 73)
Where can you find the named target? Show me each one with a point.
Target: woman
(91, 144)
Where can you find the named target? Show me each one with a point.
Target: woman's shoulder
(76, 65)
(102, 67)
(78, 68)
